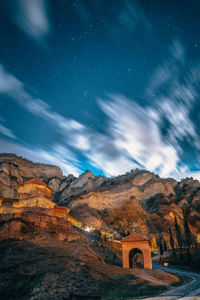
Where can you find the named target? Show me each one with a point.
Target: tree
(161, 247)
(178, 233)
(123, 219)
(171, 240)
(154, 244)
(165, 246)
(157, 223)
(188, 237)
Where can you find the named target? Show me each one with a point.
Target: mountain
(141, 199)
(68, 263)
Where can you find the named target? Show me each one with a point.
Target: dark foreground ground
(32, 271)
(44, 257)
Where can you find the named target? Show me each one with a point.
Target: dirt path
(190, 289)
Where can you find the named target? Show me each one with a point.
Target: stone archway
(139, 242)
(136, 259)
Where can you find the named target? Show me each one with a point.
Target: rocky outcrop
(110, 194)
(15, 170)
(15, 225)
(100, 192)
(87, 182)
(91, 198)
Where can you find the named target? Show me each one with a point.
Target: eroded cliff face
(93, 199)
(15, 170)
(96, 198)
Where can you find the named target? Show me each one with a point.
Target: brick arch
(133, 257)
(136, 241)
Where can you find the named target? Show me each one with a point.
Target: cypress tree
(172, 242)
(188, 236)
(161, 247)
(154, 243)
(165, 246)
(178, 233)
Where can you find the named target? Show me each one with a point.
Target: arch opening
(136, 259)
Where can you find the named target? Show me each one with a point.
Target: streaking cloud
(133, 137)
(32, 17)
(133, 130)
(7, 132)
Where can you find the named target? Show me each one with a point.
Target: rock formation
(15, 170)
(96, 199)
(52, 259)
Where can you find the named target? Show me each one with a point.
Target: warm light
(87, 229)
(198, 238)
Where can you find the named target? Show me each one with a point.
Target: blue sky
(102, 85)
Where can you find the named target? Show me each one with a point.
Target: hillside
(152, 201)
(44, 257)
(69, 263)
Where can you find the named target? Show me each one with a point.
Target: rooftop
(134, 237)
(37, 181)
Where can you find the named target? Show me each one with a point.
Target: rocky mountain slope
(67, 263)
(152, 201)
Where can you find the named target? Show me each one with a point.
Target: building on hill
(6, 206)
(61, 211)
(34, 186)
(33, 193)
(136, 251)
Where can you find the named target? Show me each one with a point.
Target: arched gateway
(136, 251)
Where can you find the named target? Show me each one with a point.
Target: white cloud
(131, 15)
(8, 82)
(166, 76)
(6, 131)
(64, 152)
(178, 51)
(14, 88)
(134, 130)
(176, 88)
(181, 126)
(32, 17)
(96, 147)
(194, 174)
(110, 166)
(133, 138)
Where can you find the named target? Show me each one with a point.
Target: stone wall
(9, 210)
(33, 189)
(61, 212)
(35, 202)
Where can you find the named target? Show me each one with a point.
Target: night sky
(105, 85)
